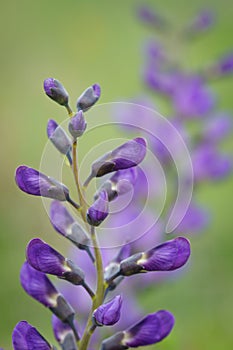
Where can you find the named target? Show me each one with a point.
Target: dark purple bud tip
(98, 212)
(63, 333)
(168, 256)
(58, 137)
(77, 125)
(125, 156)
(35, 183)
(150, 330)
(56, 91)
(45, 259)
(225, 65)
(88, 98)
(109, 313)
(26, 337)
(38, 286)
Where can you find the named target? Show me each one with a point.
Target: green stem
(99, 295)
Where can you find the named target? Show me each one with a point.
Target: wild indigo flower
(167, 256)
(44, 258)
(109, 313)
(98, 212)
(56, 91)
(150, 330)
(33, 182)
(88, 98)
(65, 224)
(77, 125)
(125, 156)
(59, 138)
(26, 337)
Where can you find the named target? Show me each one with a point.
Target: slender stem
(76, 178)
(88, 180)
(69, 110)
(74, 204)
(99, 295)
(89, 290)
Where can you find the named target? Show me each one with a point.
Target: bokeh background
(79, 43)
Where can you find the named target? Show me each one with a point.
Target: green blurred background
(79, 43)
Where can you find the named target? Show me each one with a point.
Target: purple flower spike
(88, 98)
(150, 330)
(63, 333)
(26, 337)
(77, 125)
(58, 137)
(98, 212)
(38, 286)
(109, 313)
(45, 259)
(125, 156)
(167, 256)
(33, 182)
(56, 91)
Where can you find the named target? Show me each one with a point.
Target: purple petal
(44, 258)
(150, 330)
(35, 183)
(38, 286)
(98, 212)
(218, 127)
(109, 313)
(26, 337)
(167, 256)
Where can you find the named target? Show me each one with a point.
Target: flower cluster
(42, 259)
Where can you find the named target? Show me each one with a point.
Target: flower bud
(88, 98)
(56, 91)
(45, 259)
(109, 313)
(98, 212)
(125, 156)
(38, 286)
(59, 138)
(26, 337)
(64, 224)
(150, 330)
(64, 334)
(35, 183)
(167, 256)
(77, 125)
(203, 21)
(151, 17)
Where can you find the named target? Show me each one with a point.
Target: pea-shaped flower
(98, 212)
(167, 256)
(59, 138)
(150, 330)
(56, 91)
(26, 337)
(89, 97)
(125, 156)
(109, 313)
